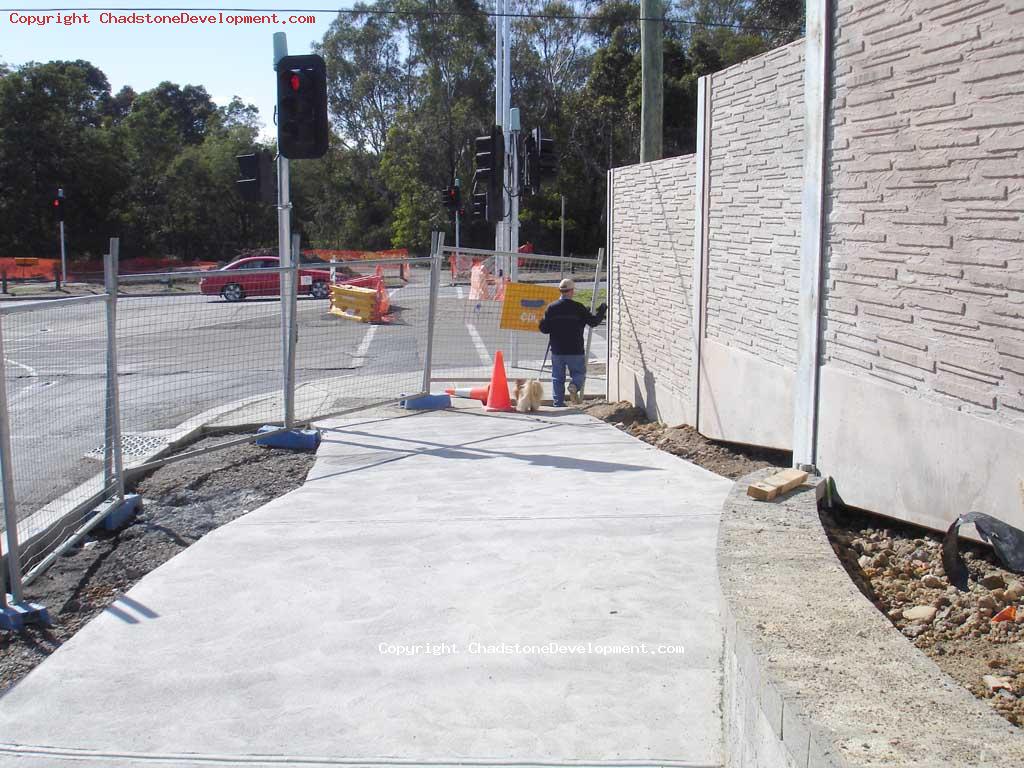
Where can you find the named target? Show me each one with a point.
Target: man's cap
(566, 285)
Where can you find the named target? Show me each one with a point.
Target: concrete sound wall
(651, 233)
(840, 268)
(921, 406)
(752, 256)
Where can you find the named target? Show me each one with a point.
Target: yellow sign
(525, 304)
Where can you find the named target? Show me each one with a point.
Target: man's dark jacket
(564, 320)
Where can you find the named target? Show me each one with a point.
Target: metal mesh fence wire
(55, 368)
(204, 349)
(497, 305)
(343, 363)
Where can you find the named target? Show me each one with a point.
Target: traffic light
(302, 131)
(479, 205)
(58, 205)
(490, 165)
(541, 161)
(451, 198)
(256, 177)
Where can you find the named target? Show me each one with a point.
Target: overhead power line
(416, 12)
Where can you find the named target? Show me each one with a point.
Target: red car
(236, 281)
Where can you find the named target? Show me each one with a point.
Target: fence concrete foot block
(292, 439)
(16, 615)
(427, 402)
(121, 512)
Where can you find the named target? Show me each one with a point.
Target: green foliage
(410, 85)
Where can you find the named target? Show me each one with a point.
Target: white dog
(528, 395)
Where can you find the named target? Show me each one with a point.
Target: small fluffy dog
(528, 395)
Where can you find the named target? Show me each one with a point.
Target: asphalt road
(180, 356)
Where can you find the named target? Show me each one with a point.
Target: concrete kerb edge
(781, 697)
(84, 497)
(806, 743)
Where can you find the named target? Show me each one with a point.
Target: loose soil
(727, 459)
(897, 566)
(182, 502)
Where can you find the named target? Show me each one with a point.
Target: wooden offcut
(775, 484)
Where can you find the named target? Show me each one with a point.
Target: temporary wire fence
(55, 374)
(206, 352)
(352, 356)
(100, 386)
(494, 301)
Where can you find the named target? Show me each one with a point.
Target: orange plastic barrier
(381, 304)
(23, 268)
(341, 255)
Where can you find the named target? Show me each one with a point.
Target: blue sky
(227, 59)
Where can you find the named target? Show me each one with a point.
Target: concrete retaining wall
(817, 676)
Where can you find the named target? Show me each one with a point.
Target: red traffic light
(302, 126)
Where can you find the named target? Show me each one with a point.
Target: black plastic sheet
(1006, 541)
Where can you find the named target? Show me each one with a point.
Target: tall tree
(51, 136)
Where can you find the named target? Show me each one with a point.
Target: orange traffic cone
(383, 303)
(498, 398)
(476, 393)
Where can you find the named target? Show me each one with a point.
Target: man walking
(563, 321)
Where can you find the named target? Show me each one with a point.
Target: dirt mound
(727, 459)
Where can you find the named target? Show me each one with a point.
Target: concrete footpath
(447, 588)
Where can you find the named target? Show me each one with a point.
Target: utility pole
(652, 81)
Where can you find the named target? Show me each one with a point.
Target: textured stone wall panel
(925, 230)
(756, 169)
(652, 246)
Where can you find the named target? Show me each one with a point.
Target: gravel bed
(899, 568)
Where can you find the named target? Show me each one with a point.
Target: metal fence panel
(203, 349)
(55, 366)
(343, 363)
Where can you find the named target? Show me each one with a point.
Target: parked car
(237, 280)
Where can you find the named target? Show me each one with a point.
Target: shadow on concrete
(432, 448)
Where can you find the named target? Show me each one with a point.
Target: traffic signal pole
(58, 203)
(288, 288)
(513, 188)
(458, 216)
(63, 260)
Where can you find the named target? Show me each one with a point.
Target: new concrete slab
(447, 587)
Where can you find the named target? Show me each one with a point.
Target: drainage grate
(134, 445)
